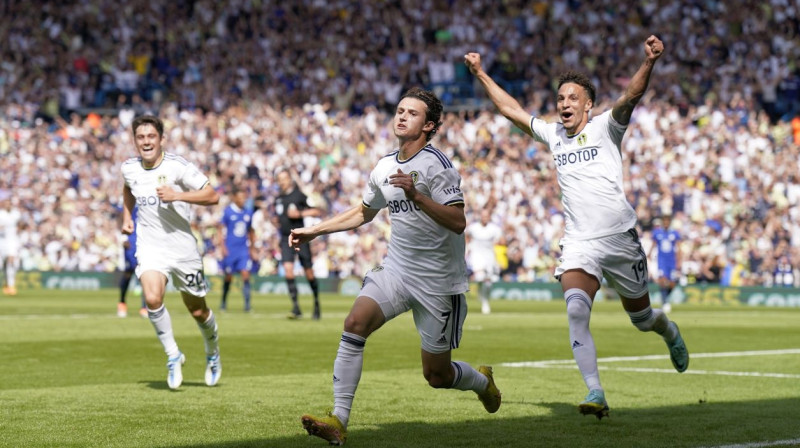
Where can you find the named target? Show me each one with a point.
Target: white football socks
(209, 331)
(656, 320)
(11, 274)
(579, 310)
(465, 377)
(163, 326)
(346, 374)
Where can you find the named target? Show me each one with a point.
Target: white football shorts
(187, 275)
(619, 258)
(439, 319)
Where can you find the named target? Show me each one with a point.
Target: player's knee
(439, 380)
(356, 325)
(579, 307)
(200, 314)
(152, 299)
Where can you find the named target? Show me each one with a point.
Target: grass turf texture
(75, 375)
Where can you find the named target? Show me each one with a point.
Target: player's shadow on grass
(162, 385)
(697, 424)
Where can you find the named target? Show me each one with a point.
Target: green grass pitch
(74, 375)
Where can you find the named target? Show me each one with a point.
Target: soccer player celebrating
(291, 206)
(424, 270)
(162, 187)
(482, 237)
(600, 239)
(237, 241)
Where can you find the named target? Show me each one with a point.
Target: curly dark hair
(579, 79)
(435, 107)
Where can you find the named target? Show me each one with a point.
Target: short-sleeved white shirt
(163, 228)
(482, 239)
(9, 241)
(589, 169)
(428, 254)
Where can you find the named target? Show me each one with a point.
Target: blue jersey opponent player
(600, 239)
(129, 254)
(237, 242)
(666, 243)
(291, 206)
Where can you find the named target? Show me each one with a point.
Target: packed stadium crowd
(715, 143)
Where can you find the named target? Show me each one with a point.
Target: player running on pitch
(424, 271)
(163, 186)
(600, 237)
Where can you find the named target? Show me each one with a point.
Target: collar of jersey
(163, 156)
(397, 157)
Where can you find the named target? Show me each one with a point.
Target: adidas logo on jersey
(442, 340)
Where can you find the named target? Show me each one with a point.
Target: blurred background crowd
(248, 87)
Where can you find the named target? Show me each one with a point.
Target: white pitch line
(570, 363)
(707, 372)
(53, 316)
(761, 444)
(652, 370)
(552, 362)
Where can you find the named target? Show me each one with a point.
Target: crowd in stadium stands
(246, 87)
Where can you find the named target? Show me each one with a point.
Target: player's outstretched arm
(505, 103)
(623, 108)
(347, 220)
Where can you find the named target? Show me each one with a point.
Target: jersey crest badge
(582, 139)
(414, 176)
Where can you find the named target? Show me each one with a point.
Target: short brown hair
(151, 120)
(435, 107)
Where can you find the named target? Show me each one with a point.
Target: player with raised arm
(600, 238)
(237, 242)
(163, 187)
(424, 270)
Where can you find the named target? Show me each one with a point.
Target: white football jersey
(589, 167)
(164, 227)
(481, 246)
(9, 219)
(428, 254)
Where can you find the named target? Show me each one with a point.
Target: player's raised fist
(653, 47)
(473, 62)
